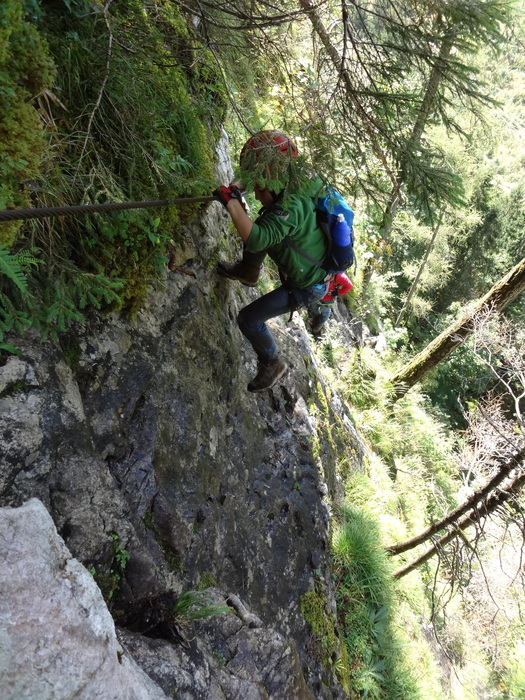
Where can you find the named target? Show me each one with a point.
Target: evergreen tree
(363, 93)
(482, 238)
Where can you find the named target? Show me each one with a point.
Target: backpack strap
(322, 222)
(288, 241)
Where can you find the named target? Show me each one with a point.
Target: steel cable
(49, 212)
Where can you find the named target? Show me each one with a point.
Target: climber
(319, 310)
(266, 158)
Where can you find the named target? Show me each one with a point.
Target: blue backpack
(335, 218)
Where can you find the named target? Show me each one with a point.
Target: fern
(12, 318)
(7, 347)
(26, 258)
(10, 266)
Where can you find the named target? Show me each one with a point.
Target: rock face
(161, 472)
(57, 638)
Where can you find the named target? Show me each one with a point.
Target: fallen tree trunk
(483, 509)
(500, 296)
(471, 503)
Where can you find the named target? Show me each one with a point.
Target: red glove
(226, 194)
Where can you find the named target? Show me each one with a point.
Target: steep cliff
(162, 474)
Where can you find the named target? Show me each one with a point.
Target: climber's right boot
(245, 274)
(267, 374)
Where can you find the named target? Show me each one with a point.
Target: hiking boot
(268, 374)
(318, 329)
(245, 274)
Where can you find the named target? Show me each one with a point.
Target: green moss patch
(122, 104)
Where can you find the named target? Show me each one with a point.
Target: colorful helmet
(267, 154)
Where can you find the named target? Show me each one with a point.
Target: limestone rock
(57, 638)
(225, 658)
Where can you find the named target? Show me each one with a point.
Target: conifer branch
(371, 126)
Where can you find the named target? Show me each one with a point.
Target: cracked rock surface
(140, 437)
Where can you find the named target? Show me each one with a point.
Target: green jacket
(297, 221)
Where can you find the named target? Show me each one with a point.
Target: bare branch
(482, 510)
(474, 502)
(104, 81)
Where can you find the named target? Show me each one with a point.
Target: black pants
(286, 298)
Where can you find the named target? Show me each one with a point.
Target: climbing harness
(49, 212)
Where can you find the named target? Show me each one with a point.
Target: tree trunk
(486, 508)
(413, 287)
(500, 296)
(425, 109)
(470, 504)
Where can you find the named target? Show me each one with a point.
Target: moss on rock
(326, 645)
(26, 69)
(131, 112)
(314, 608)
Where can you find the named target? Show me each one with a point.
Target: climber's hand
(226, 194)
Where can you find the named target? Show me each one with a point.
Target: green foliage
(453, 384)
(314, 608)
(14, 269)
(377, 298)
(26, 69)
(482, 239)
(365, 596)
(196, 605)
(56, 300)
(325, 642)
(139, 107)
(277, 170)
(360, 386)
(11, 266)
(490, 244)
(431, 182)
(120, 555)
(72, 350)
(409, 437)
(412, 478)
(512, 685)
(9, 349)
(207, 581)
(108, 578)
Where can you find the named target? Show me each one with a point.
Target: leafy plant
(108, 577)
(10, 265)
(120, 555)
(138, 137)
